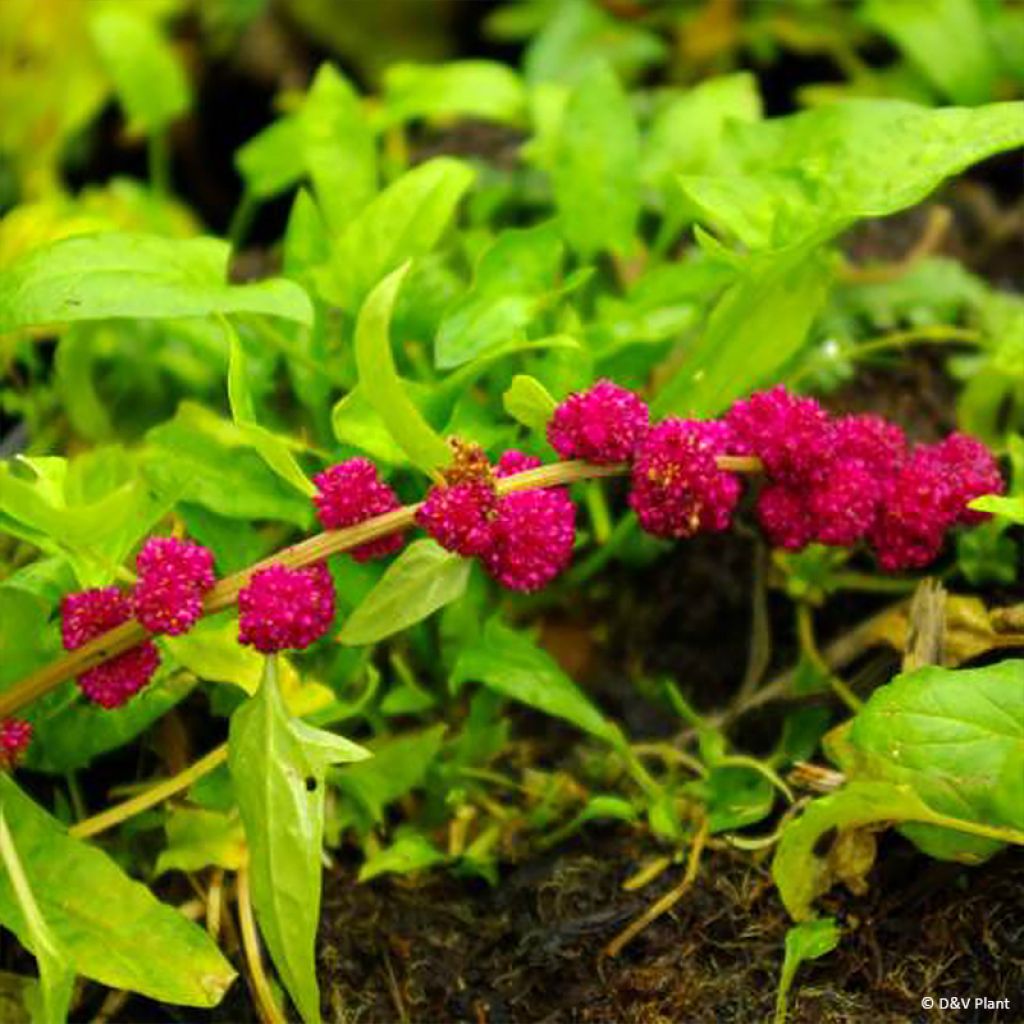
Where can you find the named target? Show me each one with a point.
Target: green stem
(241, 219)
(805, 633)
(159, 157)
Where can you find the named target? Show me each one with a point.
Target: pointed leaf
(381, 385)
(110, 927)
(277, 767)
(422, 579)
(94, 277)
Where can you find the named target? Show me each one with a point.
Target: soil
(531, 949)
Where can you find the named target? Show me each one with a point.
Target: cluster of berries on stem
(829, 480)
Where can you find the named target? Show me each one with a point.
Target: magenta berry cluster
(173, 576)
(523, 539)
(284, 608)
(601, 425)
(350, 493)
(15, 736)
(836, 481)
(87, 615)
(678, 488)
(830, 480)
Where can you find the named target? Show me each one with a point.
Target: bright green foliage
(422, 579)
(464, 88)
(594, 165)
(807, 941)
(148, 77)
(381, 384)
(512, 279)
(404, 221)
(278, 767)
(946, 40)
(467, 243)
(806, 177)
(511, 664)
(939, 752)
(198, 838)
(529, 402)
(119, 275)
(136, 943)
(957, 739)
(56, 978)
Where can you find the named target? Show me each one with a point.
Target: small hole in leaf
(310, 784)
(824, 842)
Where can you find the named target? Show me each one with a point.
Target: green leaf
(511, 664)
(514, 275)
(802, 875)
(956, 737)
(198, 838)
(94, 526)
(136, 943)
(1011, 508)
(339, 148)
(481, 89)
(403, 222)
(758, 325)
(686, 132)
(529, 402)
(278, 766)
(803, 178)
(422, 579)
(945, 40)
(92, 277)
(274, 160)
(275, 451)
(398, 766)
(211, 651)
(70, 732)
(595, 167)
(380, 383)
(199, 457)
(148, 77)
(572, 34)
(56, 978)
(27, 641)
(807, 941)
(409, 853)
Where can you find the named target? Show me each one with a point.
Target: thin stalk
(159, 158)
(150, 797)
(241, 219)
(809, 646)
(269, 1011)
(307, 552)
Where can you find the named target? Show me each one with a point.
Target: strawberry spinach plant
(320, 511)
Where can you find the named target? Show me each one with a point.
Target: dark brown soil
(531, 949)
